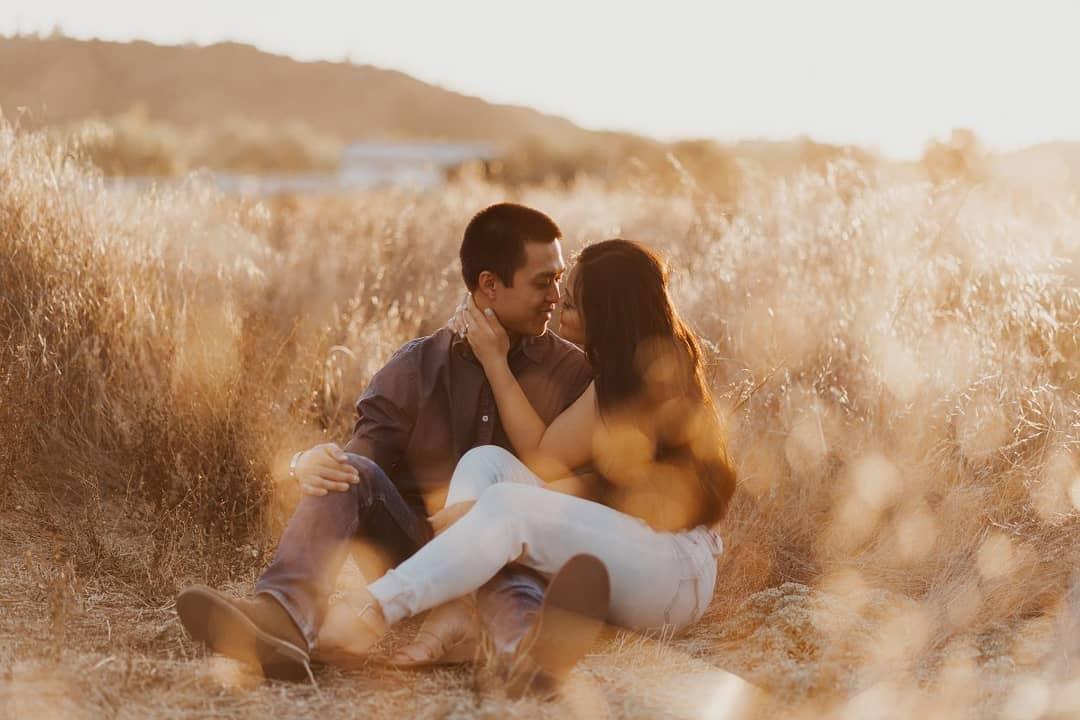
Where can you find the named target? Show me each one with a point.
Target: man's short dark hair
(495, 241)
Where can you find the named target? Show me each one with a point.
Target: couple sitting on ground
(567, 488)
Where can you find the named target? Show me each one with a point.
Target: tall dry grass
(899, 364)
(135, 144)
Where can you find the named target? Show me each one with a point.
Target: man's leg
(278, 627)
(507, 606)
(313, 548)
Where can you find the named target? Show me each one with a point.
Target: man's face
(525, 307)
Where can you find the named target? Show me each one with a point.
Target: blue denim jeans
(303, 573)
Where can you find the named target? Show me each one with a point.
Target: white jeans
(658, 579)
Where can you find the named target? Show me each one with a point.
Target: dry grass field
(899, 363)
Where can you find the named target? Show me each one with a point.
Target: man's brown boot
(257, 631)
(531, 636)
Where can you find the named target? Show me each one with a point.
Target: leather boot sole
(210, 617)
(570, 619)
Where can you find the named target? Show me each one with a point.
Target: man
(421, 412)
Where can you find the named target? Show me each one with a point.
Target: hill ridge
(63, 80)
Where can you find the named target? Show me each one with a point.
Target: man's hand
(324, 468)
(449, 515)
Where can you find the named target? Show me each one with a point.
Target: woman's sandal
(433, 644)
(435, 652)
(369, 615)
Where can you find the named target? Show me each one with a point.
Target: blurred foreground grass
(899, 363)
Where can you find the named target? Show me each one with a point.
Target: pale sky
(884, 74)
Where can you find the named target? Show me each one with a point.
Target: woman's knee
(478, 469)
(486, 458)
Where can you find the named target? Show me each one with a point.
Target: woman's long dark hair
(650, 377)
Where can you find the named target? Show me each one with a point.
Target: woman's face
(571, 324)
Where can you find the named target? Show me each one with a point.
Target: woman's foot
(447, 636)
(353, 625)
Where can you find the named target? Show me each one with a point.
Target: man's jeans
(312, 550)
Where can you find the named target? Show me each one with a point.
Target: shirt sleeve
(386, 413)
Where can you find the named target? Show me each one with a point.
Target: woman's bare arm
(550, 451)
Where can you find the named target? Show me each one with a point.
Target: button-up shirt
(432, 402)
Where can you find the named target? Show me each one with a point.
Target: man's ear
(486, 284)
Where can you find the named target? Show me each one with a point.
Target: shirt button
(484, 418)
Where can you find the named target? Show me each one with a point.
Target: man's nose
(553, 294)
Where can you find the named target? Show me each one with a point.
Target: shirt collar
(530, 347)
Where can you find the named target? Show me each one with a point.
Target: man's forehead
(544, 257)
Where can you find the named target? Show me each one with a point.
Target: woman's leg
(512, 596)
(509, 602)
(543, 529)
(484, 466)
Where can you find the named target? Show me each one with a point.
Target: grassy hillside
(61, 80)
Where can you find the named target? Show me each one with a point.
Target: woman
(646, 423)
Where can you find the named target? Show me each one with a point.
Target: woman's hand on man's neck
(483, 304)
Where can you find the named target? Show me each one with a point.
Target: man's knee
(371, 482)
(364, 465)
(516, 581)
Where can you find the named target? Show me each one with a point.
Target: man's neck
(515, 338)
